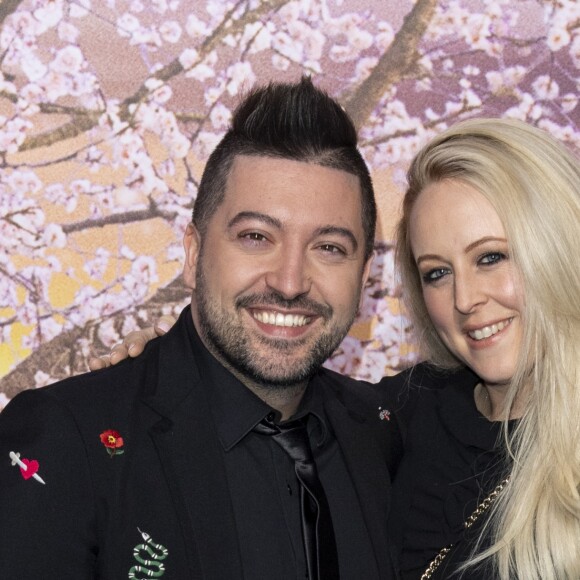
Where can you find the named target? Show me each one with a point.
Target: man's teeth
(279, 319)
(488, 331)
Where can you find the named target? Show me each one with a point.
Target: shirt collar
(236, 409)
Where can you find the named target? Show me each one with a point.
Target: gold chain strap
(480, 509)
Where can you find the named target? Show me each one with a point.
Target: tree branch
(63, 351)
(397, 62)
(7, 7)
(84, 122)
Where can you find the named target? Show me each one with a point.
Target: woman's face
(470, 285)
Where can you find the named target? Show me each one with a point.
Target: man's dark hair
(290, 121)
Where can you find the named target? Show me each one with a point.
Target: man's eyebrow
(338, 231)
(255, 215)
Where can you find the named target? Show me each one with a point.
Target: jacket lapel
(365, 458)
(191, 457)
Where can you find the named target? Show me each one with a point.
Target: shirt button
(271, 416)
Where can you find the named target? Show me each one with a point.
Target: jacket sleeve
(47, 515)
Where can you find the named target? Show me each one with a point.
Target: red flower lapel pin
(112, 441)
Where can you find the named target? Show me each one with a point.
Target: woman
(488, 254)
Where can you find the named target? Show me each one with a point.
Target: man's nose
(288, 274)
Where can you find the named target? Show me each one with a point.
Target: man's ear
(191, 245)
(365, 276)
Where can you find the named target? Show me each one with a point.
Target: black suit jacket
(164, 500)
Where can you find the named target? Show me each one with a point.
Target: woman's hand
(133, 344)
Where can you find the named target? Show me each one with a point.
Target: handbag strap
(477, 512)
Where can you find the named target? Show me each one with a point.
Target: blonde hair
(533, 182)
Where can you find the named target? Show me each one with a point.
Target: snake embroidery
(149, 556)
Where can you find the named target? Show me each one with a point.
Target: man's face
(280, 269)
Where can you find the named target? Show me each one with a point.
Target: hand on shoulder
(133, 344)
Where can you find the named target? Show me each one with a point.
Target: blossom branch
(396, 63)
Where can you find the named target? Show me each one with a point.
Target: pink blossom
(242, 77)
(188, 58)
(33, 68)
(196, 28)
(79, 8)
(170, 31)
(68, 32)
(127, 24)
(4, 400)
(54, 236)
(546, 87)
(68, 60)
(42, 379)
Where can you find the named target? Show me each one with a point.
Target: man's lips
(487, 331)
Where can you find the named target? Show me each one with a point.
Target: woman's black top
(452, 461)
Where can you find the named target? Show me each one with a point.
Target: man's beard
(230, 341)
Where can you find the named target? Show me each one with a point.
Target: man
(173, 464)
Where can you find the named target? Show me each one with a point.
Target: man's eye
(253, 237)
(492, 258)
(434, 275)
(332, 249)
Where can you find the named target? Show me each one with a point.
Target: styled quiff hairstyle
(289, 121)
(533, 183)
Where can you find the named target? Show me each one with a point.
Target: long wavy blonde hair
(533, 182)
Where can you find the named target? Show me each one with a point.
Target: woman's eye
(492, 258)
(434, 275)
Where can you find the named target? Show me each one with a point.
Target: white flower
(68, 60)
(170, 31)
(4, 400)
(385, 36)
(54, 236)
(188, 58)
(68, 32)
(127, 24)
(196, 28)
(220, 116)
(546, 87)
(79, 8)
(558, 38)
(136, 7)
(50, 13)
(41, 379)
(33, 68)
(159, 6)
(24, 181)
(107, 333)
(241, 76)
(569, 102)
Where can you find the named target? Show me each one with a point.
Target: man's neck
(285, 400)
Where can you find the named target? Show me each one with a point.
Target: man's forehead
(259, 176)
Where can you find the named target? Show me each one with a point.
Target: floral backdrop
(108, 109)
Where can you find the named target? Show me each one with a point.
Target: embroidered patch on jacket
(384, 414)
(112, 441)
(28, 467)
(150, 556)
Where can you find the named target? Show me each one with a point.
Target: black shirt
(263, 486)
(453, 460)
